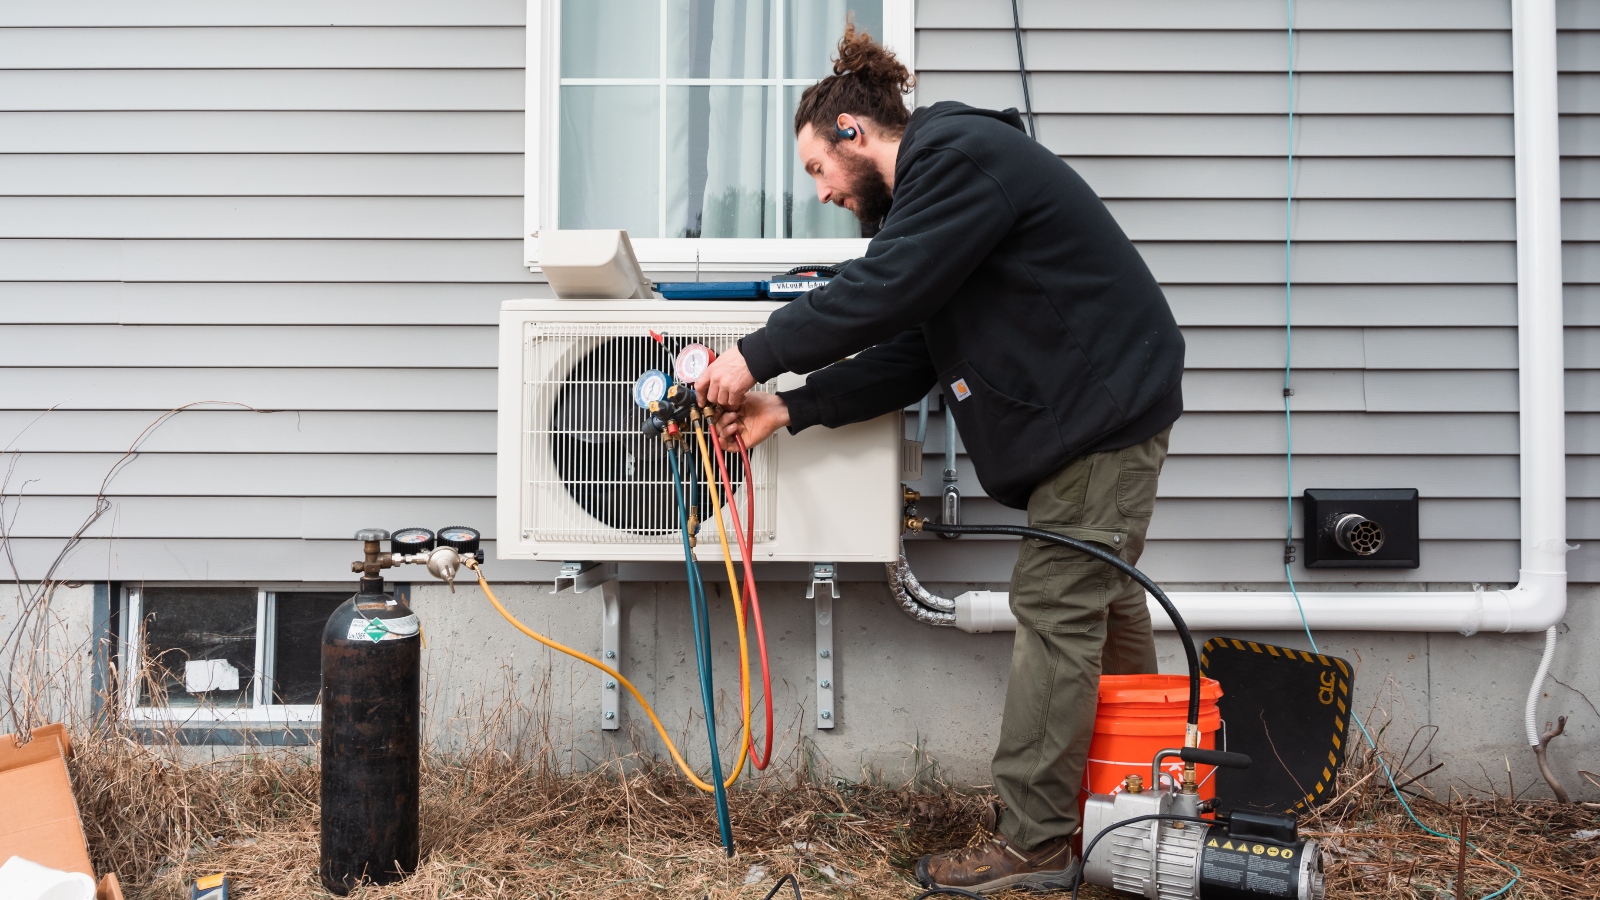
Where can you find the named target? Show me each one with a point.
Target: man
(997, 274)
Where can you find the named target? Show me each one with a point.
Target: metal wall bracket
(586, 576)
(610, 652)
(823, 573)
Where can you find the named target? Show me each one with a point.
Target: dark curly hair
(867, 82)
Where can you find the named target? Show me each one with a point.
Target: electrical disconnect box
(1361, 528)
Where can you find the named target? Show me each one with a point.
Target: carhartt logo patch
(959, 386)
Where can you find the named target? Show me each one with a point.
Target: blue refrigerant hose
(702, 650)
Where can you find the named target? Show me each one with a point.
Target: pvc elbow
(1538, 601)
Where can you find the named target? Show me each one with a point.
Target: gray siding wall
(315, 210)
(304, 207)
(1404, 261)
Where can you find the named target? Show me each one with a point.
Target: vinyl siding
(250, 206)
(315, 211)
(1404, 262)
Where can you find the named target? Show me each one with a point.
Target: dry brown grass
(1374, 850)
(495, 825)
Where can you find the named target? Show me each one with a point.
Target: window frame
(260, 711)
(541, 154)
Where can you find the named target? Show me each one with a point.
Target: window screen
(200, 646)
(297, 645)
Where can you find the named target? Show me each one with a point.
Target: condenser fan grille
(593, 476)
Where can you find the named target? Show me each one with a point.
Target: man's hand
(756, 420)
(726, 380)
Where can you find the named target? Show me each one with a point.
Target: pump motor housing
(1253, 855)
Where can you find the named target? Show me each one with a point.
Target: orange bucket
(1139, 716)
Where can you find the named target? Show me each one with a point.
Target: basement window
(223, 653)
(673, 119)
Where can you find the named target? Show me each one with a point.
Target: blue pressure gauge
(651, 386)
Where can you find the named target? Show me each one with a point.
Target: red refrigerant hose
(746, 539)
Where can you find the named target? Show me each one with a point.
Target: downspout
(1539, 600)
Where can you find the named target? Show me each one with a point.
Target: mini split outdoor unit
(578, 480)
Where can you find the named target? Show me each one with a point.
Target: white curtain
(727, 147)
(609, 172)
(812, 31)
(720, 154)
(610, 134)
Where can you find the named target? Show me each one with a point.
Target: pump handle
(1223, 758)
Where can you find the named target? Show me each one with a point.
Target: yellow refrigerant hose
(733, 588)
(744, 655)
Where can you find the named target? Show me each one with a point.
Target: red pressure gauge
(692, 362)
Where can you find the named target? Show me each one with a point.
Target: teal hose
(1288, 427)
(702, 650)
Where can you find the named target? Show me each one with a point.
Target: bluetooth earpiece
(845, 134)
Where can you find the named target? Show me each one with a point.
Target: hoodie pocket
(1012, 443)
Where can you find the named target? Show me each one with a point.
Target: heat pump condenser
(578, 480)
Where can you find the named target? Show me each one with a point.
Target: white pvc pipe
(1539, 600)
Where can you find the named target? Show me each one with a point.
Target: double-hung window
(223, 654)
(673, 119)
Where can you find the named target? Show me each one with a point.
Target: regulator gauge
(463, 539)
(650, 387)
(411, 540)
(692, 362)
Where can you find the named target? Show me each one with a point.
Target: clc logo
(1325, 693)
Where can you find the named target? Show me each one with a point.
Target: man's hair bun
(868, 82)
(865, 58)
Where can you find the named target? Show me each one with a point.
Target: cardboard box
(38, 814)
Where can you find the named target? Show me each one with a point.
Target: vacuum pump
(1151, 841)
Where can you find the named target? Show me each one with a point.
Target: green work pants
(1076, 617)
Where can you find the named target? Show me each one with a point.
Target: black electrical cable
(794, 885)
(1105, 556)
(790, 880)
(1077, 877)
(1022, 69)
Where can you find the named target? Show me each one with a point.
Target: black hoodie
(1001, 277)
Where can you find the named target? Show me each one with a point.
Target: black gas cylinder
(371, 740)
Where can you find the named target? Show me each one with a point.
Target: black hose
(788, 879)
(1077, 877)
(1105, 556)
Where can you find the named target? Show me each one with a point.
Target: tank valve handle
(375, 560)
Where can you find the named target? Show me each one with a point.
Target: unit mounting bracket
(823, 574)
(610, 652)
(586, 576)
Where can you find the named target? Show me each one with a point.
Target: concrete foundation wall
(913, 702)
(46, 656)
(912, 696)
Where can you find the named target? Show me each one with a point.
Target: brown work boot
(995, 865)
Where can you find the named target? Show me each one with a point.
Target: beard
(867, 189)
